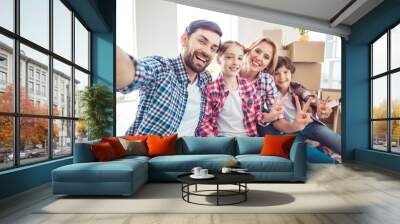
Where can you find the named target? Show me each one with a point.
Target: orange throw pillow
(135, 138)
(116, 145)
(161, 145)
(103, 152)
(277, 145)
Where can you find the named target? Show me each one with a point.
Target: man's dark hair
(285, 61)
(203, 24)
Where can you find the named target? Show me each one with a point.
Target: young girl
(287, 95)
(233, 107)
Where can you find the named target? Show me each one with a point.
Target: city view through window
(385, 95)
(32, 130)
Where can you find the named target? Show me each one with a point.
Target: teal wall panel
(356, 85)
(24, 178)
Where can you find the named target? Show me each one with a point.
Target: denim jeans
(313, 131)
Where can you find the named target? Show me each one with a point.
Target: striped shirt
(217, 94)
(163, 84)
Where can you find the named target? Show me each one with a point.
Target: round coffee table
(238, 179)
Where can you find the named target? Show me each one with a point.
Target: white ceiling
(311, 14)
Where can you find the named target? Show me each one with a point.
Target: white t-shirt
(230, 119)
(191, 115)
(287, 103)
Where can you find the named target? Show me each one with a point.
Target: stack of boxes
(307, 57)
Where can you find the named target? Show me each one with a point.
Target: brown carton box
(307, 51)
(283, 53)
(334, 94)
(308, 74)
(275, 36)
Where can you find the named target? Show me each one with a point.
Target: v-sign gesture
(302, 117)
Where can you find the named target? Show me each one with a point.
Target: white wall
(156, 28)
(250, 30)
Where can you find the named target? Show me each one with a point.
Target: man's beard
(188, 58)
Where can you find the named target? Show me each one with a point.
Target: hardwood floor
(378, 189)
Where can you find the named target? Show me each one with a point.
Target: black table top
(220, 178)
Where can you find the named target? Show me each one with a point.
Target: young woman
(233, 106)
(315, 130)
(258, 65)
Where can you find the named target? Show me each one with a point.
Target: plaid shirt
(267, 91)
(163, 94)
(216, 96)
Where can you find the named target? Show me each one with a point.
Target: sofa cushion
(249, 145)
(111, 171)
(116, 145)
(207, 145)
(103, 152)
(277, 145)
(257, 163)
(185, 163)
(161, 145)
(134, 147)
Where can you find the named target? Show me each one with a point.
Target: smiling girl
(233, 107)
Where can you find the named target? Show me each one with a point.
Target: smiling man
(171, 89)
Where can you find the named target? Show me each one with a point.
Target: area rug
(167, 198)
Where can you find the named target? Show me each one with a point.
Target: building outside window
(35, 73)
(385, 95)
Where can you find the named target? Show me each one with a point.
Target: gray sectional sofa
(125, 176)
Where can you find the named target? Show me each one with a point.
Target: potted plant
(97, 104)
(303, 34)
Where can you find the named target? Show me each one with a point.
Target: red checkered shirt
(216, 95)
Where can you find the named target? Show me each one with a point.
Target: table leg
(196, 188)
(217, 194)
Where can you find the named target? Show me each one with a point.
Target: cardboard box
(283, 53)
(334, 94)
(275, 36)
(307, 51)
(308, 74)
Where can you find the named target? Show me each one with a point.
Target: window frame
(16, 114)
(388, 74)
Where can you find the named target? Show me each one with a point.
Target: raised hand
(276, 110)
(323, 110)
(302, 117)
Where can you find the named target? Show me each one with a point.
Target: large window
(385, 95)
(44, 64)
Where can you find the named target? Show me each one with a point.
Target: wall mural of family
(253, 95)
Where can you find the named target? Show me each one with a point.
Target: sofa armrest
(83, 152)
(298, 155)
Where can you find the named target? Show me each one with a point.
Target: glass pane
(379, 55)
(62, 141)
(34, 82)
(7, 14)
(62, 29)
(81, 81)
(6, 142)
(81, 45)
(62, 89)
(395, 138)
(6, 74)
(379, 135)
(395, 47)
(33, 139)
(81, 131)
(395, 94)
(35, 21)
(379, 97)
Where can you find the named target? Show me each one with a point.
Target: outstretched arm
(125, 69)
